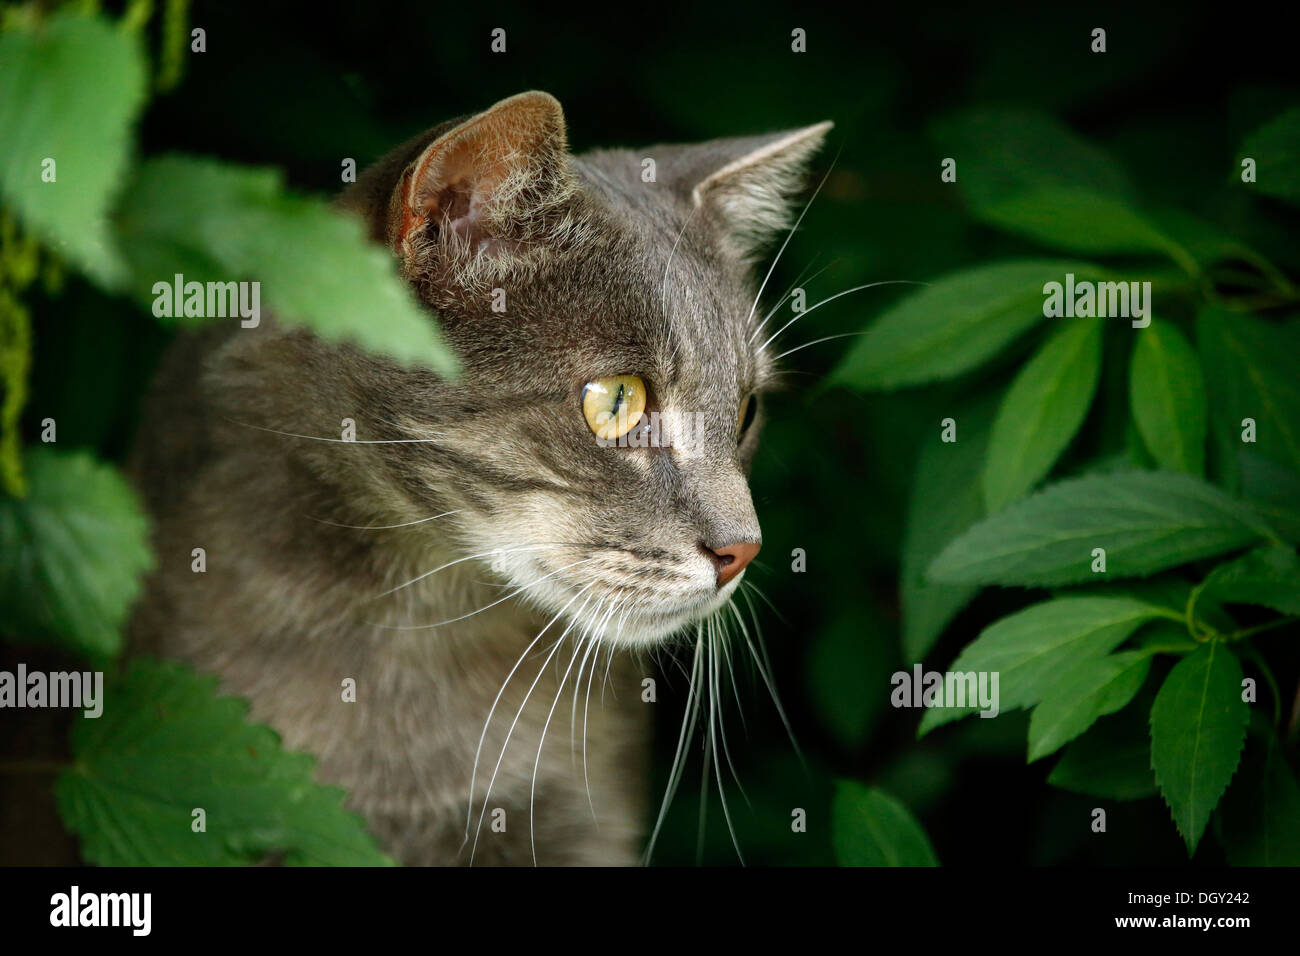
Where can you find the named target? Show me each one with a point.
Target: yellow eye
(745, 416)
(613, 406)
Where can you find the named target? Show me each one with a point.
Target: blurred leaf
(1198, 727)
(1113, 759)
(871, 828)
(1260, 815)
(1026, 173)
(1272, 489)
(212, 222)
(1269, 577)
(1250, 369)
(1031, 648)
(72, 553)
(847, 656)
(165, 745)
(945, 502)
(1275, 147)
(1145, 522)
(1041, 412)
(955, 324)
(1168, 395)
(1081, 694)
(73, 87)
(1002, 154)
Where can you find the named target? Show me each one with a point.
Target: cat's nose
(731, 560)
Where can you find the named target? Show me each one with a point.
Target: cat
(475, 522)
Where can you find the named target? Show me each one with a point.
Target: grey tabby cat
(499, 531)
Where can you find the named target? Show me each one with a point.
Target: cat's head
(598, 442)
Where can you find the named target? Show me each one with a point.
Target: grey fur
(288, 606)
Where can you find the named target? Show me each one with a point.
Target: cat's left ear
(746, 183)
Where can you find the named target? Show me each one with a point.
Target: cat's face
(596, 447)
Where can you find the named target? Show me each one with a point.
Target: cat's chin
(653, 626)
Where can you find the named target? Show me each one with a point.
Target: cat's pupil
(618, 399)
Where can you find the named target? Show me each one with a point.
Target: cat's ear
(748, 182)
(482, 180)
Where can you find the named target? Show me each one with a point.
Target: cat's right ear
(482, 184)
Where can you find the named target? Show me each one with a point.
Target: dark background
(303, 87)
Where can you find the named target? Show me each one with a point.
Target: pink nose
(731, 560)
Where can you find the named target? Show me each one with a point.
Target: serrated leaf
(1275, 148)
(167, 745)
(1030, 649)
(955, 324)
(1269, 577)
(871, 828)
(72, 553)
(1260, 815)
(945, 501)
(210, 222)
(72, 89)
(1250, 369)
(1198, 727)
(1082, 694)
(1113, 759)
(1041, 412)
(1167, 392)
(1145, 522)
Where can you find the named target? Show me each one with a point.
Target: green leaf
(871, 828)
(215, 223)
(1082, 694)
(72, 553)
(1145, 522)
(1113, 759)
(1005, 153)
(1275, 147)
(1273, 490)
(945, 502)
(1031, 649)
(1167, 392)
(1198, 727)
(1027, 174)
(73, 87)
(1041, 412)
(955, 324)
(1250, 369)
(1260, 816)
(1081, 221)
(167, 745)
(1269, 577)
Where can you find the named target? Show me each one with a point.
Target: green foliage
(213, 222)
(1031, 649)
(73, 87)
(1041, 412)
(72, 553)
(1168, 395)
(871, 828)
(1275, 147)
(1144, 521)
(956, 324)
(1198, 727)
(946, 500)
(1269, 577)
(167, 746)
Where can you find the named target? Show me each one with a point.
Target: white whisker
(857, 288)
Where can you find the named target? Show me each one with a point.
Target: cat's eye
(613, 406)
(745, 416)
